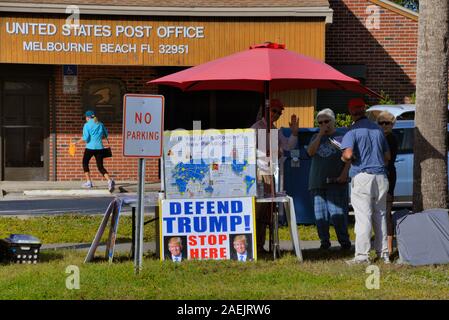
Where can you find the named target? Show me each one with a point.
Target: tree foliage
(409, 4)
(385, 98)
(341, 120)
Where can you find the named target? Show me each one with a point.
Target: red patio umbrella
(252, 69)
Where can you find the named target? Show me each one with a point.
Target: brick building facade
(375, 41)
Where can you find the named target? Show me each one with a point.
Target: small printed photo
(240, 246)
(175, 248)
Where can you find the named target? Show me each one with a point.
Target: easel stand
(113, 214)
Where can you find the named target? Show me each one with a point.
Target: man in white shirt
(263, 217)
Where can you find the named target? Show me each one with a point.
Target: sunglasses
(384, 123)
(324, 121)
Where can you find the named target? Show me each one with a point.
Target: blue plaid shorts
(330, 201)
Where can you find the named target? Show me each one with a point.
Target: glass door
(23, 129)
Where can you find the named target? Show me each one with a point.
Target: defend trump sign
(222, 228)
(143, 125)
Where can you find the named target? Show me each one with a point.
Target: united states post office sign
(143, 125)
(155, 41)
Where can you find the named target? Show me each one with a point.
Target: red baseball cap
(356, 104)
(276, 104)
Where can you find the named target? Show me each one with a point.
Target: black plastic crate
(19, 248)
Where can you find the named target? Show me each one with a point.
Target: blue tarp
(423, 238)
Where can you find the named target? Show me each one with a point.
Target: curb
(74, 192)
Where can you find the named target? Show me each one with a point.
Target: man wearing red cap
(263, 210)
(367, 149)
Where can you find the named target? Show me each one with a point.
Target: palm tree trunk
(430, 188)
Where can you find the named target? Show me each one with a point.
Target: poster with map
(210, 163)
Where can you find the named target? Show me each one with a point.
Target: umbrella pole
(267, 118)
(273, 241)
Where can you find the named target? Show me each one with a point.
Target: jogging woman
(93, 134)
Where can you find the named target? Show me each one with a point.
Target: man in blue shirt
(366, 148)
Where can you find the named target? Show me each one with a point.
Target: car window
(404, 137)
(407, 116)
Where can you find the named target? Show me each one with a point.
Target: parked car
(400, 111)
(296, 179)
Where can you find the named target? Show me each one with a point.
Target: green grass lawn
(82, 228)
(321, 276)
(68, 228)
(317, 278)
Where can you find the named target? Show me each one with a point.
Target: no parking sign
(143, 125)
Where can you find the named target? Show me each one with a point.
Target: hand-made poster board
(210, 163)
(201, 229)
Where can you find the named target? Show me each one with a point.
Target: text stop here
(208, 246)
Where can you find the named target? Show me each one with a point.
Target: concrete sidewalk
(53, 189)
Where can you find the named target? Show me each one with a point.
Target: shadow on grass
(123, 257)
(100, 258)
(308, 255)
(50, 256)
(331, 254)
(312, 254)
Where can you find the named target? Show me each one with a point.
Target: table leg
(291, 220)
(276, 247)
(270, 233)
(133, 233)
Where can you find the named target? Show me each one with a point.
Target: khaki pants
(369, 200)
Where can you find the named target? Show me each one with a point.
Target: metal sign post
(143, 129)
(138, 248)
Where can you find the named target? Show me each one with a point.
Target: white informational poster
(218, 229)
(210, 163)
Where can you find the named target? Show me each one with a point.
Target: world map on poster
(210, 163)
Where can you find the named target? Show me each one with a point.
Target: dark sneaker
(346, 247)
(325, 247)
